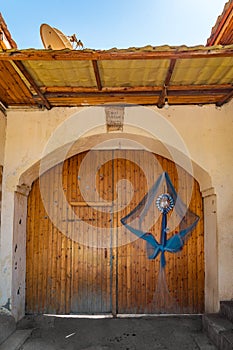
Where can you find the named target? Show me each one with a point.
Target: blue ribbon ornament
(165, 203)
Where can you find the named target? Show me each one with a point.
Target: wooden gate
(79, 257)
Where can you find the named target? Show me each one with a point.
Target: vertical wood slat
(44, 184)
(30, 251)
(121, 290)
(64, 242)
(66, 276)
(35, 275)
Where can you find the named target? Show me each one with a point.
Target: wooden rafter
(97, 74)
(166, 83)
(29, 78)
(225, 99)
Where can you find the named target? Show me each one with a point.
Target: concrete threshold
(102, 316)
(16, 340)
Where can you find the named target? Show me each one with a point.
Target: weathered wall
(2, 136)
(207, 135)
(2, 148)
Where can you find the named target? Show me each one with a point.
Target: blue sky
(104, 24)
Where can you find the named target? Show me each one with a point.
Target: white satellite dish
(54, 39)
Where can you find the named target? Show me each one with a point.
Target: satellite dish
(54, 39)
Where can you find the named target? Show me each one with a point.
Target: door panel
(96, 265)
(138, 288)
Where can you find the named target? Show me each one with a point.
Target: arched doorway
(68, 274)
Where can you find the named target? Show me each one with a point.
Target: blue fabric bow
(175, 243)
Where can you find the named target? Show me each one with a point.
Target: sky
(105, 24)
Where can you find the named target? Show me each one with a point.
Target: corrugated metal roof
(126, 73)
(148, 75)
(201, 71)
(61, 73)
(222, 31)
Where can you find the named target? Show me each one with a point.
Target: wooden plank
(151, 264)
(133, 245)
(80, 293)
(64, 55)
(184, 256)
(68, 252)
(30, 250)
(194, 250)
(146, 93)
(63, 233)
(36, 251)
(190, 247)
(149, 89)
(29, 78)
(97, 74)
(119, 173)
(200, 253)
(225, 99)
(50, 243)
(44, 233)
(137, 98)
(108, 225)
(87, 252)
(57, 204)
(90, 204)
(16, 90)
(141, 185)
(94, 294)
(73, 229)
(114, 259)
(54, 200)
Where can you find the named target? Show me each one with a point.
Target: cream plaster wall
(203, 132)
(2, 148)
(2, 136)
(207, 133)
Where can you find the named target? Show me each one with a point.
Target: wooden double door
(80, 259)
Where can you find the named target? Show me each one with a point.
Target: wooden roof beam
(166, 83)
(173, 94)
(29, 78)
(3, 108)
(97, 74)
(153, 89)
(225, 99)
(66, 55)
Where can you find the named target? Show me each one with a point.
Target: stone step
(7, 326)
(16, 340)
(203, 342)
(219, 330)
(226, 308)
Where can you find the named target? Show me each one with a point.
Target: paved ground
(162, 333)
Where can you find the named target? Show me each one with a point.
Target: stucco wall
(206, 132)
(2, 148)
(2, 136)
